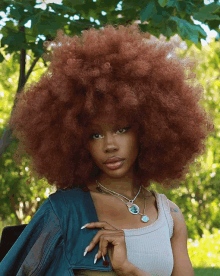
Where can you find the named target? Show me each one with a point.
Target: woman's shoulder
(71, 193)
(173, 208)
(64, 201)
(175, 211)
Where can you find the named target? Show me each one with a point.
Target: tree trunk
(6, 139)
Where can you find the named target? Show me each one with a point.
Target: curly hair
(115, 68)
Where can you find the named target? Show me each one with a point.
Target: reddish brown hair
(119, 68)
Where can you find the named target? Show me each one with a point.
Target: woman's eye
(121, 131)
(125, 128)
(92, 136)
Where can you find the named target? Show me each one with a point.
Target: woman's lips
(115, 165)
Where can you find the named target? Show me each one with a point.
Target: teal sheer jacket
(52, 244)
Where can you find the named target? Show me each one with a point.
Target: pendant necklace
(133, 208)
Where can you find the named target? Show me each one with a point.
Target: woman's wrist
(128, 270)
(131, 270)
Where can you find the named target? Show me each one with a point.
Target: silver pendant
(145, 218)
(134, 209)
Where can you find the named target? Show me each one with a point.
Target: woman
(112, 114)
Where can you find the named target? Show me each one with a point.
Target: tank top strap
(166, 208)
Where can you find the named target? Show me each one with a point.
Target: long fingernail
(85, 252)
(95, 259)
(84, 226)
(103, 257)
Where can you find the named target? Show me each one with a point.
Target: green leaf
(61, 9)
(71, 3)
(186, 30)
(30, 7)
(17, 13)
(9, 25)
(166, 30)
(147, 12)
(45, 22)
(207, 13)
(163, 3)
(37, 49)
(157, 18)
(205, 17)
(14, 39)
(201, 30)
(36, 17)
(3, 6)
(26, 17)
(171, 3)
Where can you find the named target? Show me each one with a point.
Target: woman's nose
(110, 142)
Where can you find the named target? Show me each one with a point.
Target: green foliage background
(21, 194)
(198, 197)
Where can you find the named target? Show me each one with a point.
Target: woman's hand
(116, 238)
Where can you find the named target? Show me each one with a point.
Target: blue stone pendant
(145, 218)
(134, 209)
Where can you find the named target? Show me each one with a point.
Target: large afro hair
(119, 68)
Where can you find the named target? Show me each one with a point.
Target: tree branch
(31, 68)
(21, 82)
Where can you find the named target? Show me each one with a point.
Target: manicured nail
(84, 226)
(103, 257)
(85, 252)
(95, 259)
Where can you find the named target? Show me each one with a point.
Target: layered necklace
(133, 208)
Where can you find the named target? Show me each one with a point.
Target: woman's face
(109, 138)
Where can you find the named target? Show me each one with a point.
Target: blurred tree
(198, 196)
(21, 194)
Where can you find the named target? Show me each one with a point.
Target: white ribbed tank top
(148, 248)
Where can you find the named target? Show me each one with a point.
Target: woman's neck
(124, 188)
